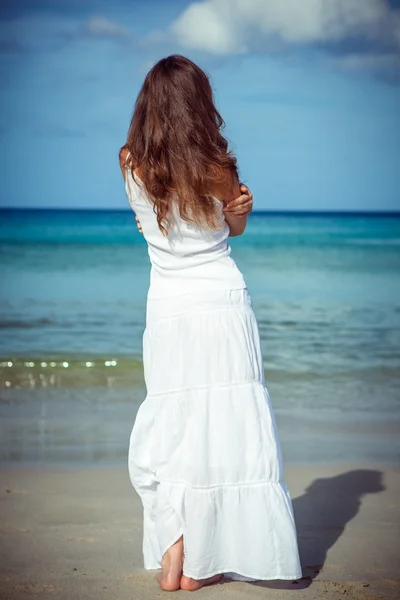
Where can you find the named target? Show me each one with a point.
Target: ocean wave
(366, 373)
(88, 371)
(67, 371)
(22, 324)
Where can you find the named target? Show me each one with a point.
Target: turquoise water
(325, 290)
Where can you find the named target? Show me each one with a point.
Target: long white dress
(204, 455)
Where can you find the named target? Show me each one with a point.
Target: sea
(325, 289)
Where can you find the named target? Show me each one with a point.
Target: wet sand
(71, 533)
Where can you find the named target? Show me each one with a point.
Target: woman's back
(189, 257)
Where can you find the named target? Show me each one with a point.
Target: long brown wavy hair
(175, 142)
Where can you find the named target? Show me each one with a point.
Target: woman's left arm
(242, 205)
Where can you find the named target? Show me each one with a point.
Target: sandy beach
(76, 533)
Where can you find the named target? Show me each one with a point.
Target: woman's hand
(243, 205)
(138, 225)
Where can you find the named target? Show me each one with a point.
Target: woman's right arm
(123, 155)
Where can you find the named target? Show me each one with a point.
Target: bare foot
(171, 567)
(191, 585)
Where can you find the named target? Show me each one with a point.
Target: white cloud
(237, 26)
(205, 26)
(98, 26)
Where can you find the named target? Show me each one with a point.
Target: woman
(204, 455)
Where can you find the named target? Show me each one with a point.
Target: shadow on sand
(322, 514)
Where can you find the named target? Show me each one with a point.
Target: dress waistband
(173, 306)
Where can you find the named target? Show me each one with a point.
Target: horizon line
(301, 211)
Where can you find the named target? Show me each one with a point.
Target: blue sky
(310, 92)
